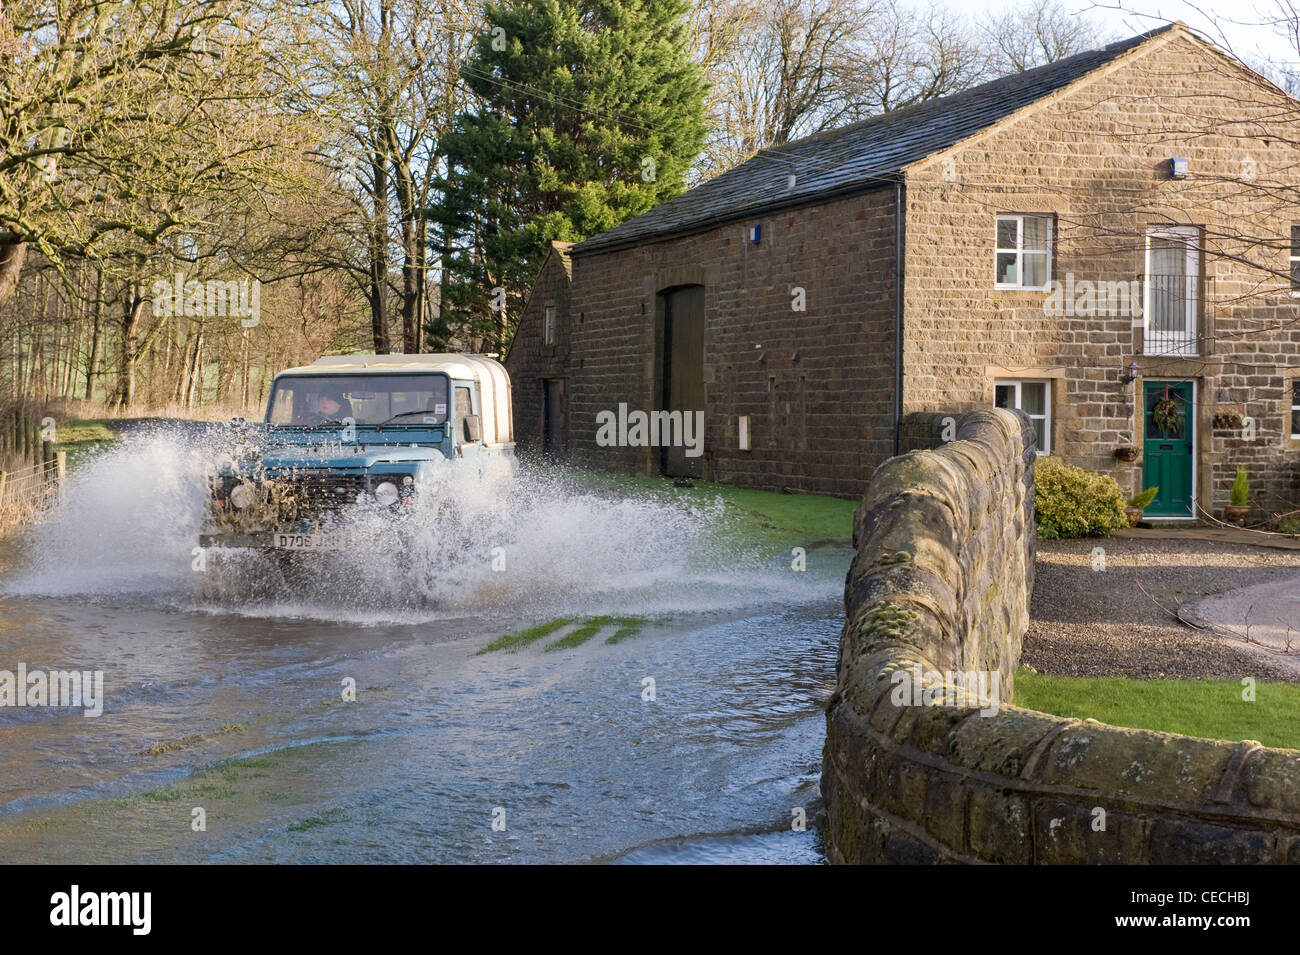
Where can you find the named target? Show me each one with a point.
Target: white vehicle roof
(491, 376)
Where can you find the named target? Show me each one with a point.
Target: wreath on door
(1165, 414)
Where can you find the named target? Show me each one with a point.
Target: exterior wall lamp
(1132, 374)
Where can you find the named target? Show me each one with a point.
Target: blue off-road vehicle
(364, 430)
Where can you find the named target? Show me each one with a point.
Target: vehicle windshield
(308, 400)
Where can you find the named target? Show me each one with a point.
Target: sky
(1237, 26)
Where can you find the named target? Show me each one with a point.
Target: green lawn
(769, 520)
(1212, 709)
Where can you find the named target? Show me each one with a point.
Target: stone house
(1104, 242)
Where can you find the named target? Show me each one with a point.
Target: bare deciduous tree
(1036, 34)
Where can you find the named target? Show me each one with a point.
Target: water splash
(491, 539)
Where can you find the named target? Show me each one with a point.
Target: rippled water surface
(229, 699)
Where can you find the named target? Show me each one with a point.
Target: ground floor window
(1034, 398)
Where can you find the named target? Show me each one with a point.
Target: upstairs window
(1034, 398)
(548, 327)
(1294, 260)
(1023, 252)
(1172, 300)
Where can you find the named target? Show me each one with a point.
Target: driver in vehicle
(331, 408)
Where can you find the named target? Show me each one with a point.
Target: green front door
(1167, 449)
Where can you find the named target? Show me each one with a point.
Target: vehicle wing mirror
(473, 428)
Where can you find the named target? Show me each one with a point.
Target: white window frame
(1294, 385)
(549, 326)
(1186, 343)
(1292, 258)
(1019, 250)
(1045, 432)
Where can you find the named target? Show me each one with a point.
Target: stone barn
(1097, 242)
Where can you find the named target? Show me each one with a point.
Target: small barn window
(1023, 252)
(1034, 398)
(548, 327)
(1294, 260)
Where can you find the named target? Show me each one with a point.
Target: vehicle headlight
(386, 493)
(242, 496)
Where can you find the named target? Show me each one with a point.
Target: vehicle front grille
(319, 490)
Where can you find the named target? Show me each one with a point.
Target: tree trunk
(194, 391)
(128, 347)
(183, 370)
(12, 257)
(94, 336)
(243, 365)
(413, 225)
(379, 257)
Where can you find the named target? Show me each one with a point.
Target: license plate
(306, 542)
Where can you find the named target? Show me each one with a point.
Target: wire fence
(29, 494)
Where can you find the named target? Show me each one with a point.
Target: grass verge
(81, 437)
(1210, 709)
(770, 520)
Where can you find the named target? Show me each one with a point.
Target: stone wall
(531, 362)
(941, 582)
(816, 382)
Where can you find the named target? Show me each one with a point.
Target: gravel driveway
(1087, 622)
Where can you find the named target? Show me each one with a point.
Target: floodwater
(230, 731)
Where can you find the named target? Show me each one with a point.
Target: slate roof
(853, 158)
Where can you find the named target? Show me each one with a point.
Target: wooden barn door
(683, 385)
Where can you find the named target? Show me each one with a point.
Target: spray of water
(489, 538)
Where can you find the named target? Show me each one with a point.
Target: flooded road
(685, 727)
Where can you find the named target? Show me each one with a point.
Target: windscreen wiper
(432, 411)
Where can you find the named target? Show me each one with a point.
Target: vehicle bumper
(259, 541)
(276, 540)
